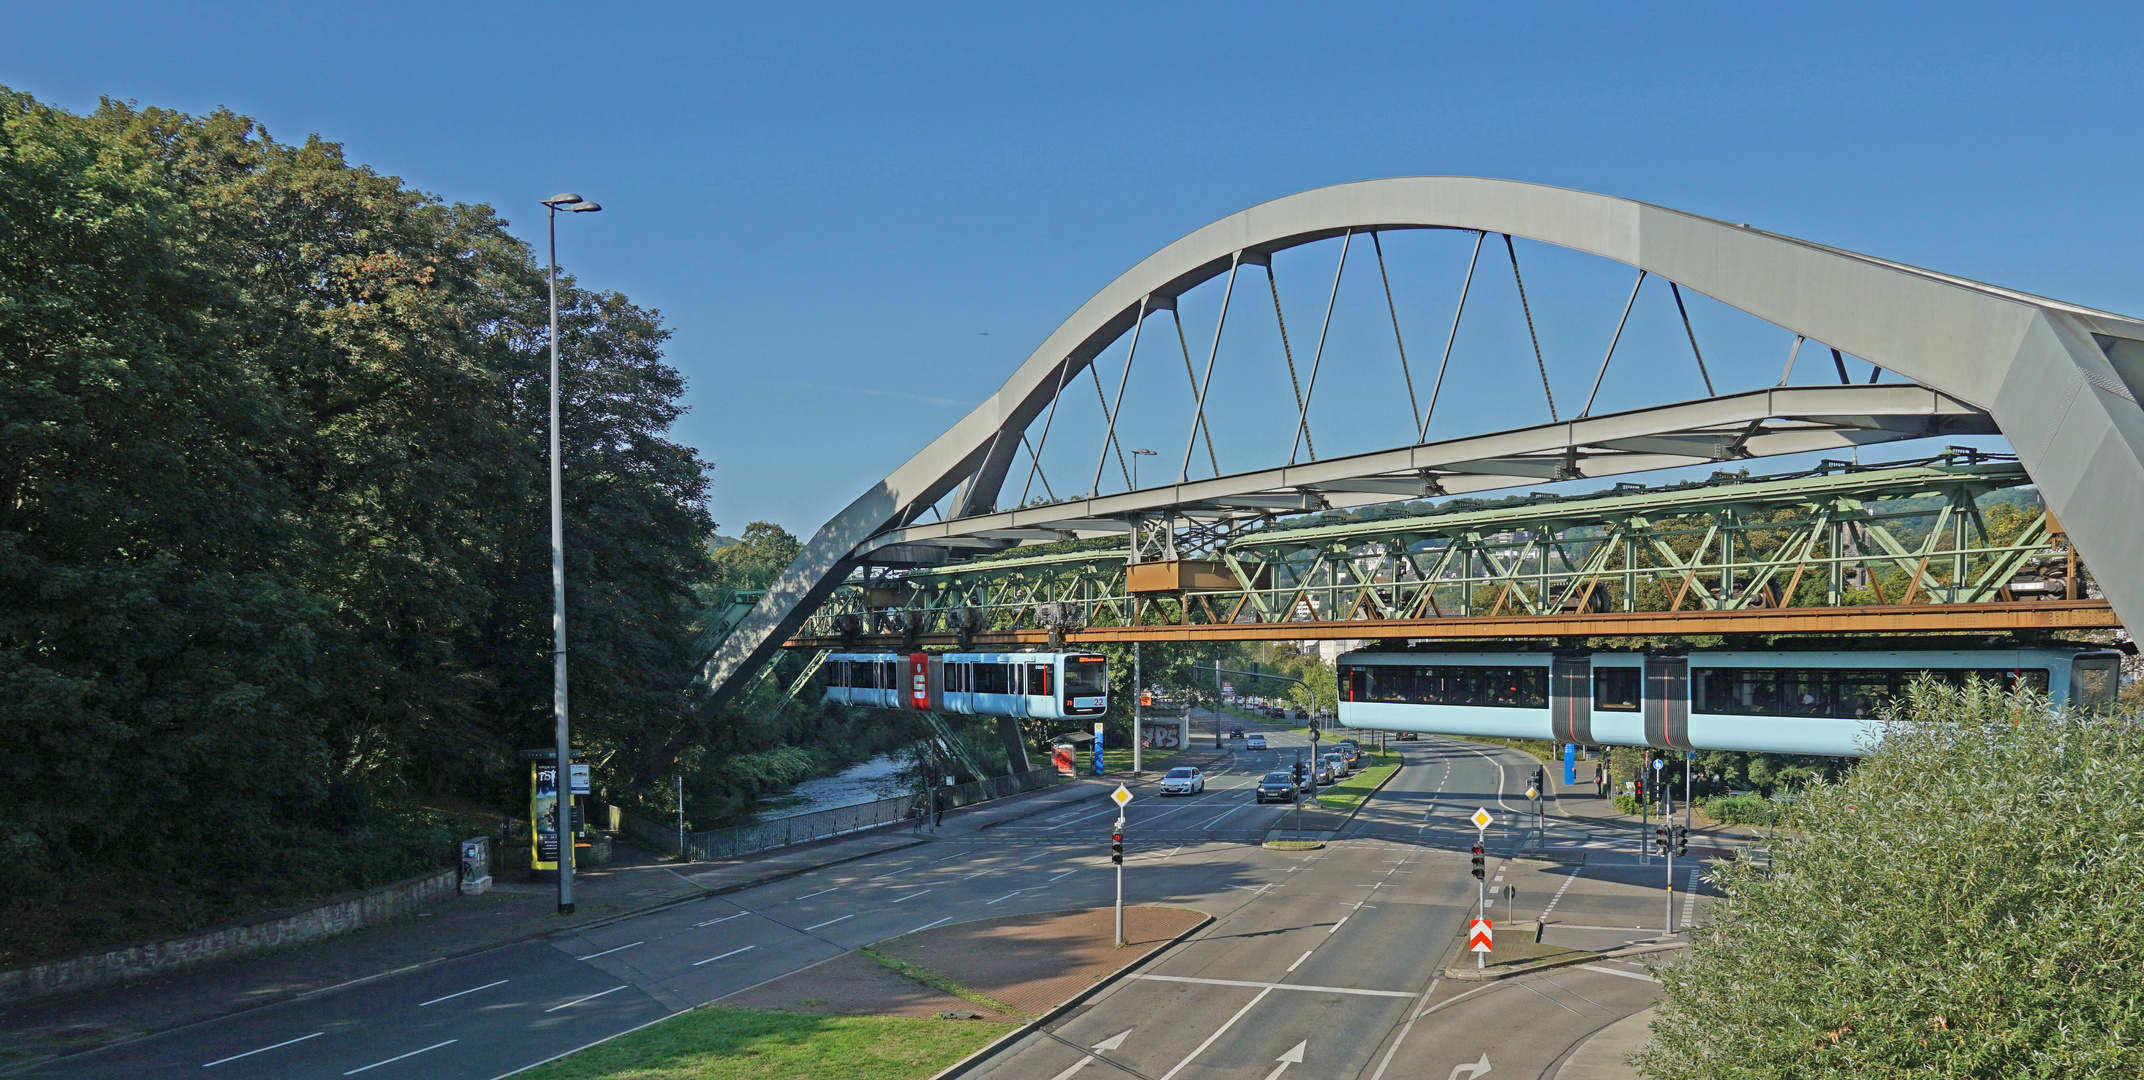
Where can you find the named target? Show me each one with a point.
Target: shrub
(1968, 902)
(1739, 809)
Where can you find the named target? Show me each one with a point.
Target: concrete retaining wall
(227, 942)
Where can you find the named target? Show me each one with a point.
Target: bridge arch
(2060, 381)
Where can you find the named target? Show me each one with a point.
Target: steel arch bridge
(2059, 381)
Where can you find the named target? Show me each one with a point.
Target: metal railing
(820, 824)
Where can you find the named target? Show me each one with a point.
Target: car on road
(1325, 773)
(1338, 761)
(1236, 732)
(1277, 787)
(1407, 736)
(1257, 741)
(1301, 715)
(1356, 758)
(1183, 780)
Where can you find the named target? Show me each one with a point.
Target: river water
(878, 778)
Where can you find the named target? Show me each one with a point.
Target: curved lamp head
(558, 202)
(582, 207)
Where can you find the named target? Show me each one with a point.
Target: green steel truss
(1936, 532)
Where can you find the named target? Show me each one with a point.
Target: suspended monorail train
(1052, 686)
(1783, 700)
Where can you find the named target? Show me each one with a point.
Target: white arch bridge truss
(1955, 358)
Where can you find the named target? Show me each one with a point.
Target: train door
(1570, 701)
(1667, 702)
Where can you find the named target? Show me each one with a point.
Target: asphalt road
(1335, 948)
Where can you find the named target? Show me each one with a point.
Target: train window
(1848, 694)
(2095, 680)
(1497, 687)
(1616, 689)
(1086, 676)
(1038, 680)
(837, 673)
(993, 679)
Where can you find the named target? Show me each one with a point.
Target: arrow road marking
(1294, 1056)
(1106, 1045)
(1472, 1071)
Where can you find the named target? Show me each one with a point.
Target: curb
(1473, 975)
(967, 1064)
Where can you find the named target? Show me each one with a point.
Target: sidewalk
(512, 911)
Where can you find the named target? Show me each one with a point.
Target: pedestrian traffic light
(1480, 870)
(1116, 848)
(1638, 791)
(1682, 839)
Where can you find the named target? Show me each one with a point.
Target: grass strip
(715, 1042)
(1350, 793)
(1119, 759)
(927, 977)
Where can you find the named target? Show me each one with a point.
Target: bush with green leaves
(1968, 902)
(1738, 809)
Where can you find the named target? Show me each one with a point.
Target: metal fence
(820, 824)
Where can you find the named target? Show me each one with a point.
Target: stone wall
(227, 942)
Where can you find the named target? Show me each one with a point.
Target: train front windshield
(1086, 684)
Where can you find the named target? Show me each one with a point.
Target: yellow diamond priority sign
(1481, 818)
(1120, 796)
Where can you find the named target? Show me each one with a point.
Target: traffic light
(1116, 848)
(1480, 870)
(1540, 781)
(1682, 840)
(1661, 835)
(1638, 792)
(1295, 772)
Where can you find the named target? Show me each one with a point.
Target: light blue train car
(1053, 686)
(1789, 701)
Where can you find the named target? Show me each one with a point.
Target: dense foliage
(1968, 902)
(273, 549)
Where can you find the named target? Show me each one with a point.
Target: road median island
(923, 1005)
(1337, 805)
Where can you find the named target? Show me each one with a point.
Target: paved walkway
(1602, 1056)
(512, 911)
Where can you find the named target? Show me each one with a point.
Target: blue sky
(858, 220)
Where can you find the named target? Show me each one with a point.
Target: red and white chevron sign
(1479, 935)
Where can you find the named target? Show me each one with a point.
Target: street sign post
(1481, 938)
(1482, 819)
(1122, 798)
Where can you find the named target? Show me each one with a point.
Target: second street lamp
(562, 770)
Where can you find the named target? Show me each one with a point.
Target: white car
(1182, 780)
(1255, 742)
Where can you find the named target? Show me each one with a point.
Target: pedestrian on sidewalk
(1600, 781)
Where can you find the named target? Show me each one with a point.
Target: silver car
(1182, 780)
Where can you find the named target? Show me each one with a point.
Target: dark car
(1407, 736)
(1236, 732)
(1325, 774)
(1276, 787)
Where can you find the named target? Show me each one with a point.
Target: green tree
(1968, 902)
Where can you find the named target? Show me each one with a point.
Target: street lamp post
(562, 771)
(1136, 455)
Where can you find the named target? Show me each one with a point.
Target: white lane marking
(1612, 971)
(1291, 967)
(809, 895)
(607, 952)
(398, 1057)
(1188, 1058)
(265, 1049)
(881, 877)
(1554, 900)
(1342, 922)
(935, 862)
(903, 900)
(927, 926)
(575, 1001)
(458, 993)
(830, 922)
(1404, 1029)
(725, 918)
(1007, 896)
(1278, 986)
(1054, 878)
(724, 956)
